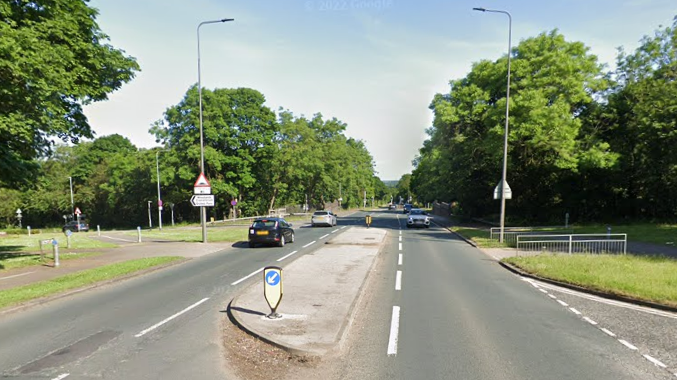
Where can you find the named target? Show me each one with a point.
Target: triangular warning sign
(202, 181)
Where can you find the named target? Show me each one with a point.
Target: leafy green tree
(53, 59)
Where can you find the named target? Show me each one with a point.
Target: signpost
(77, 215)
(202, 187)
(202, 200)
(508, 191)
(272, 289)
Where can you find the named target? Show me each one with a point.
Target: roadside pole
(55, 248)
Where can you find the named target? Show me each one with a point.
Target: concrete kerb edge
(472, 243)
(43, 300)
(610, 296)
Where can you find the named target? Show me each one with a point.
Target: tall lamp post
(504, 183)
(203, 213)
(70, 179)
(159, 198)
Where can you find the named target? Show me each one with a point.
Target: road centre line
(309, 244)
(400, 246)
(323, 236)
(144, 332)
(606, 331)
(543, 291)
(563, 303)
(246, 277)
(342, 227)
(16, 275)
(400, 237)
(552, 296)
(399, 260)
(285, 256)
(590, 321)
(575, 311)
(394, 331)
(62, 376)
(655, 361)
(336, 230)
(627, 344)
(398, 280)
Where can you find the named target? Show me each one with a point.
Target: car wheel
(292, 238)
(281, 243)
(252, 245)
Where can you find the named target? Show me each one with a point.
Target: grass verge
(71, 281)
(480, 237)
(645, 232)
(24, 243)
(12, 261)
(649, 278)
(227, 234)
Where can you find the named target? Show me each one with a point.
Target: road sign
(77, 211)
(508, 191)
(206, 200)
(272, 289)
(201, 185)
(233, 202)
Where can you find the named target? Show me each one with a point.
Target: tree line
(596, 143)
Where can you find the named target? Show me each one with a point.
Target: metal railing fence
(573, 243)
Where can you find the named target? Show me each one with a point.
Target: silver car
(323, 218)
(418, 218)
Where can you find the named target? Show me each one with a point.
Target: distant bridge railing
(580, 243)
(510, 233)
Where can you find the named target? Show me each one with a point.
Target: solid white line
(324, 236)
(309, 244)
(336, 230)
(628, 345)
(394, 331)
(552, 296)
(655, 361)
(575, 311)
(398, 280)
(16, 275)
(284, 257)
(590, 321)
(563, 303)
(144, 332)
(399, 260)
(246, 277)
(62, 376)
(400, 237)
(608, 332)
(400, 246)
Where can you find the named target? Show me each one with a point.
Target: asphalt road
(453, 313)
(164, 325)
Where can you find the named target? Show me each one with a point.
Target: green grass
(24, 243)
(194, 234)
(481, 237)
(12, 261)
(79, 279)
(644, 232)
(641, 277)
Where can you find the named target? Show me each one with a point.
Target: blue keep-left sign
(273, 278)
(272, 287)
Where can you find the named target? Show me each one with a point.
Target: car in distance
(323, 218)
(74, 226)
(407, 208)
(418, 218)
(270, 231)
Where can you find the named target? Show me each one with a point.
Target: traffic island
(321, 290)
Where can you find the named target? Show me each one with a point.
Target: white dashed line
(608, 332)
(323, 236)
(309, 244)
(563, 303)
(144, 332)
(400, 246)
(398, 280)
(400, 232)
(16, 275)
(284, 257)
(552, 296)
(336, 230)
(394, 331)
(655, 361)
(590, 321)
(342, 227)
(399, 260)
(626, 344)
(575, 311)
(246, 277)
(62, 376)
(543, 291)
(400, 237)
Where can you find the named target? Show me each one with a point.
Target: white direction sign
(201, 185)
(202, 200)
(508, 191)
(272, 288)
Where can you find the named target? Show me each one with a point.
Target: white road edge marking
(323, 236)
(114, 238)
(608, 332)
(627, 344)
(246, 277)
(400, 246)
(552, 296)
(336, 230)
(543, 291)
(309, 244)
(62, 376)
(590, 321)
(16, 275)
(284, 257)
(394, 331)
(144, 332)
(563, 303)
(398, 280)
(655, 361)
(575, 311)
(342, 227)
(399, 260)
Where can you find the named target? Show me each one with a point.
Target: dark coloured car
(270, 231)
(407, 208)
(74, 226)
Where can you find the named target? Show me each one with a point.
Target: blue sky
(374, 64)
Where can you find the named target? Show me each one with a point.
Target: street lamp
(203, 213)
(504, 183)
(70, 179)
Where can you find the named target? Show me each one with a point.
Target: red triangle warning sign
(202, 181)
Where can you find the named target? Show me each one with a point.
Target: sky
(373, 64)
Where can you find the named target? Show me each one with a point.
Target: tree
(53, 59)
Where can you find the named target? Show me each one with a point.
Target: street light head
(227, 19)
(479, 9)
